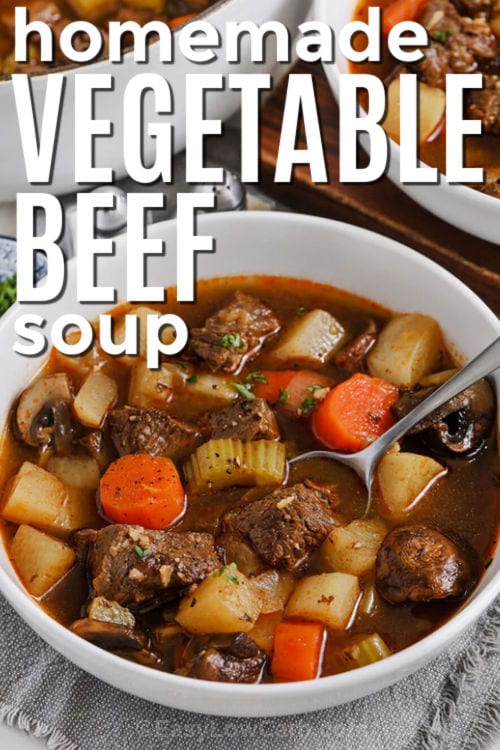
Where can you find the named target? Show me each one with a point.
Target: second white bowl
(460, 206)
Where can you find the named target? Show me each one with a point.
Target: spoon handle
(484, 364)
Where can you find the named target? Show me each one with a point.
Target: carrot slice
(355, 413)
(274, 388)
(297, 651)
(401, 10)
(179, 20)
(144, 490)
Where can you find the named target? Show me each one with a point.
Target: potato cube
(225, 602)
(263, 632)
(93, 10)
(95, 398)
(141, 313)
(409, 347)
(403, 479)
(329, 598)
(353, 548)
(275, 589)
(495, 22)
(40, 559)
(155, 388)
(437, 378)
(36, 497)
(76, 471)
(81, 365)
(212, 390)
(313, 338)
(239, 552)
(432, 105)
(79, 512)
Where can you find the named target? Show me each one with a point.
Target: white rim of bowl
(63, 640)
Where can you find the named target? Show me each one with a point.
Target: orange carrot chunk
(355, 413)
(273, 390)
(297, 651)
(144, 490)
(401, 10)
(179, 20)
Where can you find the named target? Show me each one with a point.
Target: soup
(155, 514)
(464, 37)
(59, 13)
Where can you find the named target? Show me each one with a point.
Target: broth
(463, 506)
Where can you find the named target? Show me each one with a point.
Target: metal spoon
(365, 462)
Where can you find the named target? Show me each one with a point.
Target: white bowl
(109, 151)
(281, 244)
(463, 207)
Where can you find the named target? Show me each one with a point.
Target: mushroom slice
(461, 425)
(108, 635)
(43, 413)
(109, 625)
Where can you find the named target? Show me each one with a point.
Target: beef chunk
(473, 7)
(137, 567)
(99, 446)
(244, 420)
(416, 563)
(285, 526)
(441, 16)
(234, 657)
(152, 431)
(352, 357)
(234, 334)
(484, 104)
(457, 44)
(83, 541)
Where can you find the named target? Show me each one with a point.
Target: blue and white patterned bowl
(8, 259)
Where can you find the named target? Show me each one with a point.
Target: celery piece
(371, 649)
(218, 464)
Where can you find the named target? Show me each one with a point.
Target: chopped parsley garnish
(256, 377)
(180, 364)
(301, 310)
(141, 553)
(314, 388)
(283, 397)
(227, 572)
(442, 35)
(244, 391)
(231, 341)
(192, 380)
(7, 294)
(308, 404)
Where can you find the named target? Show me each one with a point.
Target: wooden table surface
(379, 206)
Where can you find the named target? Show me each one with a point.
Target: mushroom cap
(108, 635)
(461, 425)
(43, 415)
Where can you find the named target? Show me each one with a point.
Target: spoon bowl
(365, 462)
